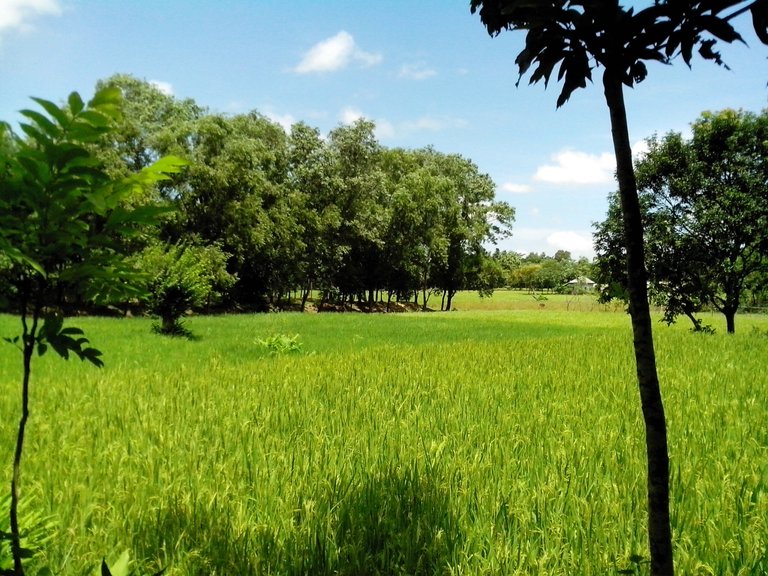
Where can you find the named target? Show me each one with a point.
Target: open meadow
(503, 438)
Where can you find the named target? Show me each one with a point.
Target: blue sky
(425, 71)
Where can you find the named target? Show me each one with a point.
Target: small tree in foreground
(63, 226)
(576, 37)
(181, 277)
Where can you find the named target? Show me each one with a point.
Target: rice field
(498, 439)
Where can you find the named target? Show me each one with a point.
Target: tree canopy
(705, 209)
(296, 211)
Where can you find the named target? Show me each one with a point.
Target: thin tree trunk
(659, 531)
(28, 348)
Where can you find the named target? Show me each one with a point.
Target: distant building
(581, 285)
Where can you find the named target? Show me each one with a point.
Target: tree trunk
(659, 531)
(449, 302)
(730, 320)
(28, 348)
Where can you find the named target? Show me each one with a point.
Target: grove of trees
(705, 213)
(295, 212)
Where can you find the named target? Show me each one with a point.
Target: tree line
(267, 214)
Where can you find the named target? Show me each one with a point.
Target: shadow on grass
(398, 521)
(176, 329)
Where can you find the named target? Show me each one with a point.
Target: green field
(504, 438)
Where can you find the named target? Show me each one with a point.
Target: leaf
(76, 104)
(108, 96)
(22, 259)
(720, 28)
(51, 129)
(57, 113)
(93, 356)
(119, 567)
(760, 19)
(34, 133)
(96, 119)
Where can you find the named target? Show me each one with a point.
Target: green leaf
(52, 109)
(76, 104)
(120, 567)
(96, 119)
(168, 165)
(34, 133)
(51, 129)
(108, 96)
(22, 259)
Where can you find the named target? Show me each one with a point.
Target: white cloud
(164, 87)
(432, 124)
(285, 120)
(350, 115)
(573, 167)
(417, 71)
(388, 130)
(335, 53)
(513, 188)
(575, 242)
(18, 13)
(639, 149)
(549, 241)
(535, 211)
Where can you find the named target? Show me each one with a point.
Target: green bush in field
(281, 344)
(183, 277)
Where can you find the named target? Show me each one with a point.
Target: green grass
(471, 442)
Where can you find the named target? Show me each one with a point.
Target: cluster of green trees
(538, 271)
(704, 202)
(276, 214)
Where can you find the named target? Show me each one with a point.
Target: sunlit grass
(471, 442)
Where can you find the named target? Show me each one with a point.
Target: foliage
(281, 344)
(183, 277)
(63, 225)
(341, 215)
(121, 566)
(576, 36)
(37, 533)
(705, 208)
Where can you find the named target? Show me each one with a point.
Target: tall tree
(577, 36)
(358, 193)
(154, 123)
(705, 209)
(236, 193)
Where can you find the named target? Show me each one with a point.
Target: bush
(183, 277)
